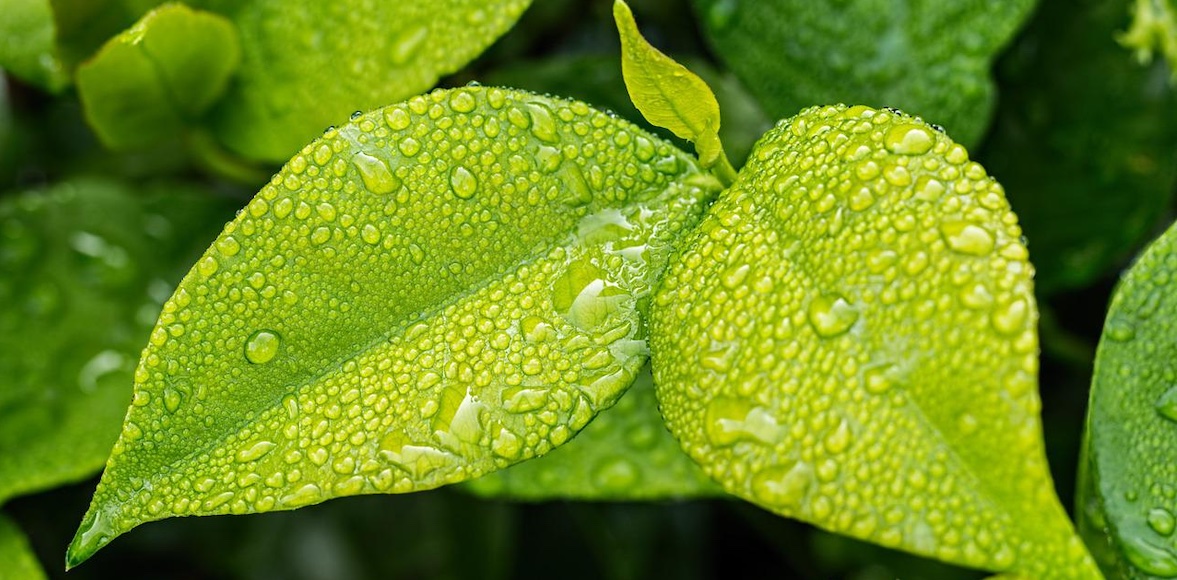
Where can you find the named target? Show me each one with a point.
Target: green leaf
(84, 268)
(1132, 419)
(27, 46)
(624, 454)
(151, 81)
(597, 79)
(308, 64)
(1084, 143)
(19, 562)
(436, 290)
(848, 338)
(931, 59)
(1154, 29)
(669, 95)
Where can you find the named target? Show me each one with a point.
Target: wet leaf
(19, 562)
(438, 289)
(308, 64)
(151, 81)
(1132, 420)
(667, 94)
(929, 59)
(848, 338)
(1085, 142)
(84, 268)
(625, 454)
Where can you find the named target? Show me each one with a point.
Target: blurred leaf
(27, 50)
(668, 95)
(84, 268)
(596, 79)
(848, 338)
(308, 64)
(625, 454)
(439, 289)
(1132, 419)
(1085, 142)
(1154, 28)
(931, 59)
(158, 76)
(17, 561)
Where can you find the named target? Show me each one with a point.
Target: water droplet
(729, 420)
(615, 474)
(1149, 557)
(407, 45)
(1011, 318)
(228, 246)
(463, 183)
(783, 486)
(409, 146)
(879, 379)
(304, 495)
(1121, 330)
(375, 174)
(397, 119)
(262, 346)
(967, 238)
(831, 315)
(171, 399)
(462, 102)
(734, 277)
(207, 266)
(908, 139)
(370, 234)
(255, 451)
(1161, 521)
(1166, 405)
(543, 126)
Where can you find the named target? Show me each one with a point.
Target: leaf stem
(724, 171)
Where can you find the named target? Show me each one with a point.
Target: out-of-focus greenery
(1083, 138)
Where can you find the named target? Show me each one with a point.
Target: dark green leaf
(1130, 476)
(927, 58)
(84, 268)
(17, 561)
(625, 454)
(848, 338)
(27, 49)
(438, 289)
(1085, 142)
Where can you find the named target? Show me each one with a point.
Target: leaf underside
(84, 270)
(1132, 421)
(931, 59)
(848, 338)
(625, 454)
(436, 290)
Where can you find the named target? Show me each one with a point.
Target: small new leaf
(848, 338)
(435, 290)
(1132, 421)
(670, 96)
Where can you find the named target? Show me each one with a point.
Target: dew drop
(463, 183)
(255, 451)
(831, 315)
(967, 238)
(908, 139)
(375, 174)
(1166, 405)
(1010, 318)
(262, 346)
(543, 126)
(1149, 557)
(1161, 521)
(782, 486)
(462, 102)
(370, 234)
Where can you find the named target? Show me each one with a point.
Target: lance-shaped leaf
(160, 75)
(434, 291)
(625, 454)
(1132, 420)
(84, 269)
(308, 64)
(930, 58)
(848, 338)
(668, 95)
(16, 556)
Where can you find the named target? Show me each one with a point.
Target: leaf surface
(848, 338)
(308, 64)
(19, 562)
(1084, 142)
(84, 269)
(927, 58)
(625, 454)
(1132, 420)
(436, 290)
(151, 81)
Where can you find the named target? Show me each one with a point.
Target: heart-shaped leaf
(848, 338)
(625, 454)
(436, 290)
(932, 59)
(17, 558)
(84, 269)
(150, 81)
(1130, 478)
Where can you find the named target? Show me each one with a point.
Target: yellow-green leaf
(1129, 476)
(1154, 29)
(435, 290)
(151, 81)
(668, 95)
(625, 454)
(17, 561)
(848, 338)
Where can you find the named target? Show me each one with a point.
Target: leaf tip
(93, 534)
